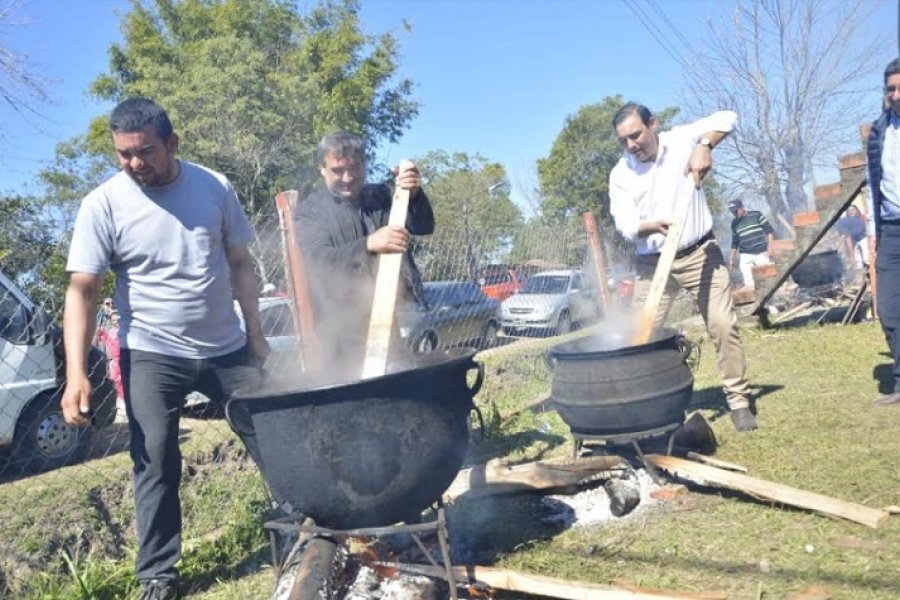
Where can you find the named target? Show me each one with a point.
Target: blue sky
(497, 77)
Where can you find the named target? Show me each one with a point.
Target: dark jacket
(874, 148)
(331, 233)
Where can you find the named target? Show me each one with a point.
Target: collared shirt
(651, 191)
(890, 169)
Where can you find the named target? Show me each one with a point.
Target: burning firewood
(496, 477)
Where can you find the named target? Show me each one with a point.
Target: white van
(33, 435)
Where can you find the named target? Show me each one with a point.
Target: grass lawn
(819, 431)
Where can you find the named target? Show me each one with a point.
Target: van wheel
(43, 441)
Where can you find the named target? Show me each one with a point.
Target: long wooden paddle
(385, 297)
(661, 275)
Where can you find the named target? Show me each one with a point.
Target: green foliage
(574, 177)
(24, 241)
(568, 247)
(252, 85)
(473, 212)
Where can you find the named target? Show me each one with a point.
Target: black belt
(706, 238)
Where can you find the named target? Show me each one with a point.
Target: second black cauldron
(602, 388)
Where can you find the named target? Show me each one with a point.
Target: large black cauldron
(364, 454)
(603, 389)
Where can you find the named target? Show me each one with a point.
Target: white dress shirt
(651, 191)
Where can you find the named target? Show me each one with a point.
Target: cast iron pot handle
(685, 347)
(550, 361)
(479, 378)
(233, 424)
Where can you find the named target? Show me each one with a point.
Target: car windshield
(546, 284)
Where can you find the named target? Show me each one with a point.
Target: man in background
(752, 237)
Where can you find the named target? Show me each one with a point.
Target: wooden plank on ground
(766, 490)
(716, 462)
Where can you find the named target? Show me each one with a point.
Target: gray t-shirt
(166, 247)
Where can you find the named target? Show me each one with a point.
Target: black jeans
(155, 390)
(887, 270)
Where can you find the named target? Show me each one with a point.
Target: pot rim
(571, 351)
(422, 364)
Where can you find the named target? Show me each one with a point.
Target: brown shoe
(743, 419)
(888, 399)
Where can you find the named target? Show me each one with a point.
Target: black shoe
(743, 419)
(888, 399)
(159, 589)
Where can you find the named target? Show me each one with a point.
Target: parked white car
(33, 434)
(550, 302)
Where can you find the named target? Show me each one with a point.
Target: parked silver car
(550, 302)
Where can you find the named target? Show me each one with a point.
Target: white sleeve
(723, 120)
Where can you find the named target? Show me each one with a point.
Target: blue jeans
(887, 270)
(155, 390)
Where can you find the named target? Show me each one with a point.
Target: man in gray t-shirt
(176, 238)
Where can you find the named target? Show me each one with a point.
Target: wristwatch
(706, 142)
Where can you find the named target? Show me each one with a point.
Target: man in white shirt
(658, 171)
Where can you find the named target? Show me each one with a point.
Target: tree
(20, 87)
(252, 85)
(474, 215)
(797, 74)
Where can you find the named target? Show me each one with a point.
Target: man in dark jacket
(884, 213)
(342, 229)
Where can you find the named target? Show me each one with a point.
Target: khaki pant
(704, 274)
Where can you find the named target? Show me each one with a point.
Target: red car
(500, 282)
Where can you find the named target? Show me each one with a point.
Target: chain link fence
(480, 286)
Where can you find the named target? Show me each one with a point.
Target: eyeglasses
(890, 89)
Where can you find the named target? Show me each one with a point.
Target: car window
(13, 317)
(576, 282)
(546, 284)
(494, 276)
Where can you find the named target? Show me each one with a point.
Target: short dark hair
(892, 68)
(136, 113)
(631, 108)
(341, 144)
